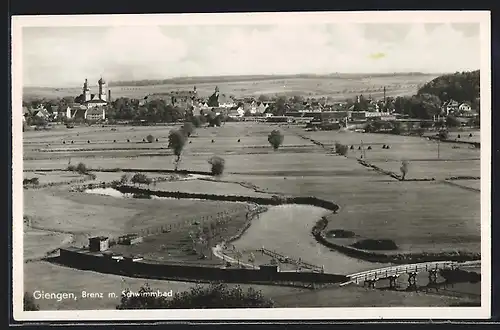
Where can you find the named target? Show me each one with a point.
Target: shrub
(443, 135)
(217, 165)
(81, 168)
(188, 128)
(213, 296)
(376, 244)
(396, 130)
(196, 121)
(458, 275)
(124, 178)
(275, 138)
(150, 138)
(33, 181)
(141, 178)
(340, 233)
(341, 149)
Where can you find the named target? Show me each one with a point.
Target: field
(335, 87)
(419, 216)
(426, 158)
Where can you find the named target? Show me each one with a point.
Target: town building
(26, 113)
(465, 106)
(98, 243)
(450, 106)
(94, 100)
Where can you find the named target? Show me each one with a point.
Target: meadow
(418, 216)
(337, 88)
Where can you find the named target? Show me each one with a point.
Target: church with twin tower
(99, 99)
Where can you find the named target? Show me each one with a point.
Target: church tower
(102, 89)
(86, 91)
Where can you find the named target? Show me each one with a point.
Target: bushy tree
(176, 141)
(29, 303)
(196, 121)
(141, 178)
(396, 128)
(341, 149)
(212, 296)
(452, 121)
(217, 165)
(150, 138)
(188, 128)
(443, 134)
(81, 168)
(124, 178)
(404, 169)
(275, 139)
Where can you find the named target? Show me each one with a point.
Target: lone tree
(275, 138)
(141, 178)
(217, 165)
(404, 169)
(176, 142)
(443, 134)
(188, 128)
(124, 178)
(216, 295)
(29, 303)
(150, 138)
(196, 121)
(81, 168)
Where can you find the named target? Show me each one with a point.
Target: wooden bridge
(285, 259)
(370, 277)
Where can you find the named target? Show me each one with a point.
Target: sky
(65, 56)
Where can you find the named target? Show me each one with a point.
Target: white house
(450, 106)
(79, 111)
(96, 113)
(464, 107)
(41, 113)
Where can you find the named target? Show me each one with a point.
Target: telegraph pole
(439, 143)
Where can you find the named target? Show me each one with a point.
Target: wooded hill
(460, 86)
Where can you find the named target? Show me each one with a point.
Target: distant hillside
(242, 78)
(460, 86)
(336, 86)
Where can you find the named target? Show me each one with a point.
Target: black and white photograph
(251, 166)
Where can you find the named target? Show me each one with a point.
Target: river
(286, 229)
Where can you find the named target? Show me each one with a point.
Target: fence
(413, 268)
(220, 217)
(107, 264)
(285, 259)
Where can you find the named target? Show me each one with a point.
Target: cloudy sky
(64, 56)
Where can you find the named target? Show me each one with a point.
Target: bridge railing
(402, 269)
(304, 264)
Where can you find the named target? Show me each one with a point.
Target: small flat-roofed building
(98, 243)
(130, 239)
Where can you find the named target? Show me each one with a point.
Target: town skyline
(168, 52)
